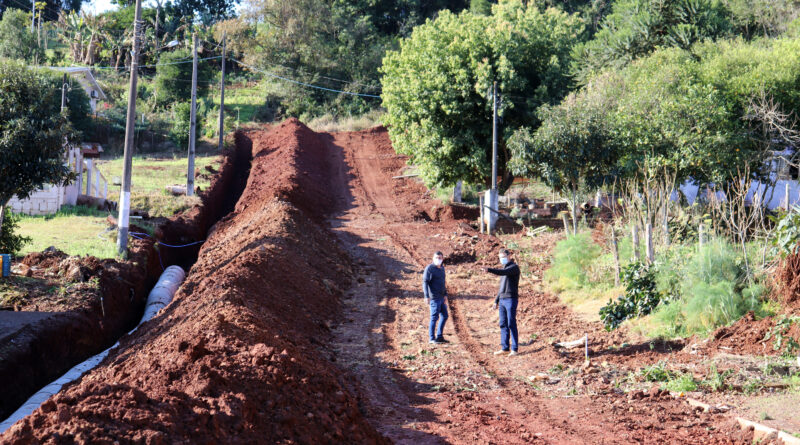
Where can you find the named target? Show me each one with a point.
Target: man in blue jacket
(435, 290)
(507, 297)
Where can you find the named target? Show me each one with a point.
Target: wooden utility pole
(193, 120)
(222, 93)
(125, 193)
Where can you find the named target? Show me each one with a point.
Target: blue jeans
(438, 313)
(508, 323)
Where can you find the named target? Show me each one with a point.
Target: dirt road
(301, 321)
(461, 392)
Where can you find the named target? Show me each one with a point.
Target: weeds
(681, 383)
(781, 340)
(656, 373)
(715, 380)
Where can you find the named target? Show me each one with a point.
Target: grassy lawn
(75, 230)
(82, 231)
(150, 174)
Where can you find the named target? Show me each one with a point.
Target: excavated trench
(240, 355)
(38, 347)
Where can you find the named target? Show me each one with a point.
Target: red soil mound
(237, 357)
(788, 280)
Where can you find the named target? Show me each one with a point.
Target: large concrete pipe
(158, 298)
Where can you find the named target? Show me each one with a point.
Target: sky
(98, 6)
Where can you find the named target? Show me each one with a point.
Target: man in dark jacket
(435, 290)
(507, 297)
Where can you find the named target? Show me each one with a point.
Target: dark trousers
(438, 313)
(508, 323)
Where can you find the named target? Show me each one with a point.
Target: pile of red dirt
(788, 281)
(238, 355)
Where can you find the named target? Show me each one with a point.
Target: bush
(9, 242)
(640, 298)
(713, 292)
(572, 260)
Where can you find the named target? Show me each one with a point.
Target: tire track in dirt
(372, 193)
(362, 336)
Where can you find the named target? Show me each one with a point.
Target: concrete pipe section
(159, 297)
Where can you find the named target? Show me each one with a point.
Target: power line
(304, 83)
(347, 82)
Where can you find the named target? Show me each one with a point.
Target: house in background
(90, 183)
(86, 80)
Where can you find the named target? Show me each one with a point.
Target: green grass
(74, 230)
(246, 99)
(150, 174)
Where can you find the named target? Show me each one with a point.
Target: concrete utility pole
(193, 120)
(33, 15)
(491, 194)
(222, 93)
(64, 93)
(125, 193)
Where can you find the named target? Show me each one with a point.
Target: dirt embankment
(238, 356)
(93, 304)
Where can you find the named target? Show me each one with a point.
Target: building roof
(91, 149)
(84, 77)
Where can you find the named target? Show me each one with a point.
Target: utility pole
(491, 194)
(125, 193)
(33, 15)
(193, 120)
(494, 136)
(222, 93)
(64, 93)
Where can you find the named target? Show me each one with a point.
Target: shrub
(9, 241)
(572, 259)
(640, 298)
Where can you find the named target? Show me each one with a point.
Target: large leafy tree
(573, 148)
(691, 115)
(436, 87)
(173, 82)
(32, 132)
(16, 39)
(635, 28)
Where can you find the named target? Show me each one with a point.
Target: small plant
(9, 241)
(409, 357)
(640, 298)
(764, 416)
(715, 380)
(752, 387)
(681, 383)
(657, 373)
(781, 340)
(787, 233)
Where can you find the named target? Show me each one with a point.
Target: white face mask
(437, 261)
(503, 260)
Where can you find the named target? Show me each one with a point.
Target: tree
(635, 28)
(16, 39)
(573, 148)
(173, 82)
(435, 88)
(32, 133)
(483, 7)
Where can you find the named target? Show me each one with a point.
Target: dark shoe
(441, 340)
